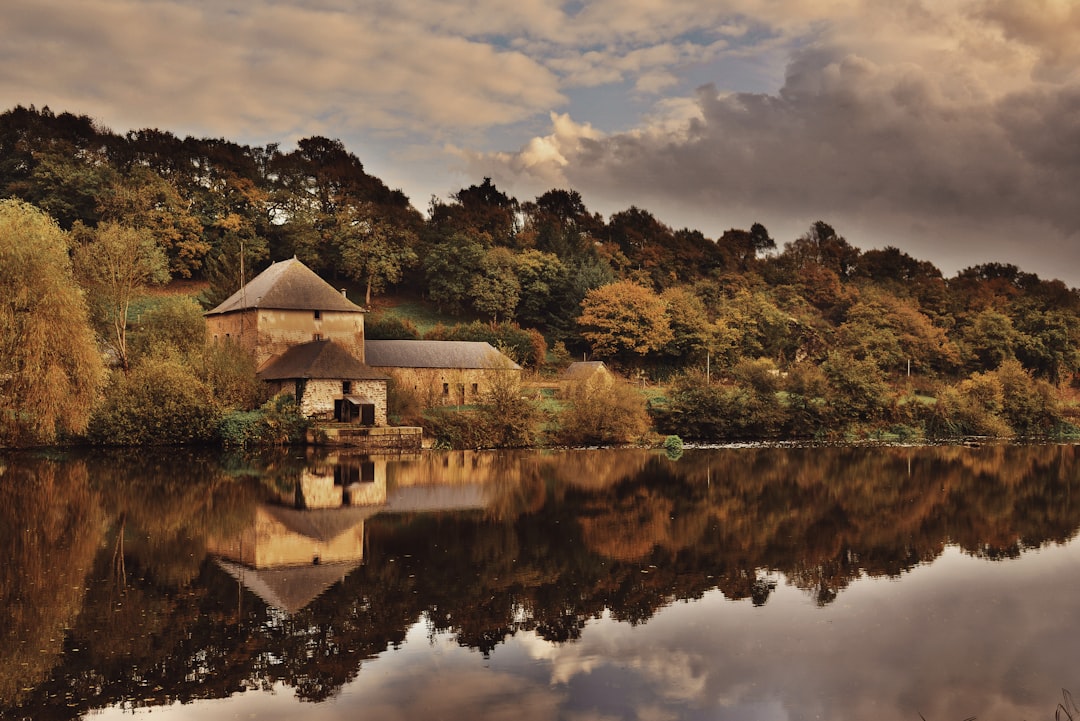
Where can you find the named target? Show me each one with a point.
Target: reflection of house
(455, 371)
(306, 338)
(295, 549)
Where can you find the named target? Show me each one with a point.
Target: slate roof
(436, 354)
(287, 285)
(318, 359)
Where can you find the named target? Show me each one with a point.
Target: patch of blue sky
(612, 108)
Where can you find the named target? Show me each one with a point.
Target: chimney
(343, 295)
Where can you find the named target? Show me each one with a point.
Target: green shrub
(673, 447)
(278, 422)
(454, 429)
(229, 371)
(175, 325)
(159, 401)
(380, 326)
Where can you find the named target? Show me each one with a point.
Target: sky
(947, 128)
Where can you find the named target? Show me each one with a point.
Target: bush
(404, 404)
(857, 391)
(454, 429)
(229, 371)
(524, 346)
(602, 409)
(806, 414)
(159, 401)
(1029, 405)
(175, 325)
(278, 422)
(389, 327)
(673, 447)
(509, 420)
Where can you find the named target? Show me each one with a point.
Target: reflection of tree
(50, 527)
(562, 539)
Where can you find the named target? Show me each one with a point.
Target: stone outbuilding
(446, 372)
(583, 371)
(329, 383)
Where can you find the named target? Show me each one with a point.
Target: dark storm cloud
(961, 147)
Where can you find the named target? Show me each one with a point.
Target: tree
(373, 250)
(496, 289)
(175, 326)
(625, 320)
(50, 369)
(451, 268)
(690, 327)
(142, 199)
(115, 263)
(989, 339)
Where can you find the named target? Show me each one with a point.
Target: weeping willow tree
(50, 368)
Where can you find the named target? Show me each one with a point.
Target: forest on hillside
(796, 335)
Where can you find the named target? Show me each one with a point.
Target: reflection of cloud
(960, 637)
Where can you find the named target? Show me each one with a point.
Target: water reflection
(139, 581)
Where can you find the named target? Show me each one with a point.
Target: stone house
(444, 372)
(306, 338)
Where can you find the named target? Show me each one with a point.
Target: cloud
(940, 130)
(956, 118)
(274, 69)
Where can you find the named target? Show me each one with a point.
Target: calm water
(746, 583)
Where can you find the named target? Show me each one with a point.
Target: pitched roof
(289, 588)
(580, 370)
(287, 285)
(317, 359)
(435, 354)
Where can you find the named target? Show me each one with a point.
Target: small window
(318, 315)
(475, 389)
(446, 389)
(346, 387)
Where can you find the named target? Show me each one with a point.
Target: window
(475, 389)
(446, 389)
(346, 387)
(318, 315)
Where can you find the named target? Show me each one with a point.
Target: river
(749, 583)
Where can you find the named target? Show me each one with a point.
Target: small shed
(583, 371)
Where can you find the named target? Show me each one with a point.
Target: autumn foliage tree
(116, 263)
(50, 369)
(625, 321)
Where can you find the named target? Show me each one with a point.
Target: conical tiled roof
(287, 285)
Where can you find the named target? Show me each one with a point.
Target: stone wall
(320, 394)
(266, 333)
(446, 386)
